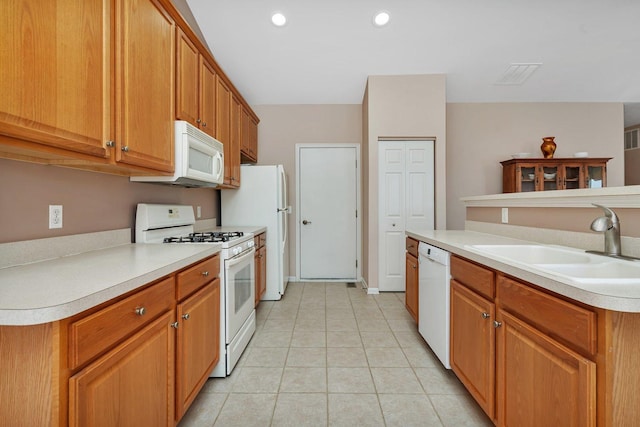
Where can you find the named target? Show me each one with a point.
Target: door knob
(305, 222)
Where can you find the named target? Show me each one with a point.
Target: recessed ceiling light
(278, 19)
(381, 18)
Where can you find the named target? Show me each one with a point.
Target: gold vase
(548, 147)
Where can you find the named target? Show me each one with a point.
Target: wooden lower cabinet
(539, 381)
(472, 343)
(411, 278)
(138, 360)
(411, 286)
(128, 386)
(515, 353)
(198, 343)
(260, 265)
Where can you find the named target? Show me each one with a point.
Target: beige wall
(402, 106)
(91, 201)
(283, 126)
(481, 135)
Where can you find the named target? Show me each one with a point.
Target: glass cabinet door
(571, 178)
(550, 178)
(527, 177)
(596, 176)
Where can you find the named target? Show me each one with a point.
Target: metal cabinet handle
(175, 325)
(496, 324)
(198, 121)
(140, 311)
(305, 222)
(414, 266)
(110, 144)
(205, 273)
(186, 316)
(204, 124)
(125, 148)
(485, 315)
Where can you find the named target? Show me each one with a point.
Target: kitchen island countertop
(58, 288)
(623, 297)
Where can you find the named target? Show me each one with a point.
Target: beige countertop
(613, 296)
(58, 288)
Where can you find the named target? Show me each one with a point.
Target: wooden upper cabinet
(144, 77)
(249, 140)
(187, 82)
(55, 77)
(207, 98)
(236, 133)
(195, 86)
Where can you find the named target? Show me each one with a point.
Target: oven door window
(240, 286)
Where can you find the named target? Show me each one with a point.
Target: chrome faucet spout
(610, 225)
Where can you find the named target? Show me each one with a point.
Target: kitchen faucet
(610, 225)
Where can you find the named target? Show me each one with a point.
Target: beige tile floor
(331, 355)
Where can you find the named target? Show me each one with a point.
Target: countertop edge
(450, 240)
(40, 315)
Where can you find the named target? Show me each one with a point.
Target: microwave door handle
(220, 165)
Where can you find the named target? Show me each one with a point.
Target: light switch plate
(505, 215)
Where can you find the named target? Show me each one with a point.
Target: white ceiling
(589, 49)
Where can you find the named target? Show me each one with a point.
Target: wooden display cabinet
(522, 175)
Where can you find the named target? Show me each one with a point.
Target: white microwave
(199, 159)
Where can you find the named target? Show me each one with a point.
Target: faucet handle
(608, 212)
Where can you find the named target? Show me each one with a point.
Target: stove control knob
(250, 243)
(236, 251)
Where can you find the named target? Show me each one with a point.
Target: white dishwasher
(433, 299)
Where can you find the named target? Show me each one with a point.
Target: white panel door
(327, 185)
(406, 200)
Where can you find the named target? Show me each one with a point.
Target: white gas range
(174, 224)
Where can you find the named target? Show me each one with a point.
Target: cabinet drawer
(473, 276)
(561, 320)
(198, 275)
(412, 246)
(97, 332)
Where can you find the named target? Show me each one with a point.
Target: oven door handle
(241, 258)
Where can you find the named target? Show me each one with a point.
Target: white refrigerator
(262, 200)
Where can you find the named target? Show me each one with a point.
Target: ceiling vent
(516, 74)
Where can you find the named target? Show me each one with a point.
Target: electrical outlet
(505, 215)
(55, 216)
(198, 211)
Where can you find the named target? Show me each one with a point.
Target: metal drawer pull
(496, 324)
(175, 325)
(125, 148)
(205, 273)
(186, 316)
(485, 315)
(140, 311)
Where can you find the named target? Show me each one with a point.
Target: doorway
(406, 200)
(328, 225)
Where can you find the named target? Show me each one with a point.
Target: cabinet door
(207, 98)
(571, 176)
(145, 82)
(411, 286)
(526, 178)
(198, 345)
(595, 176)
(540, 382)
(223, 128)
(473, 344)
(263, 271)
(132, 385)
(249, 144)
(549, 177)
(187, 88)
(236, 126)
(55, 77)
